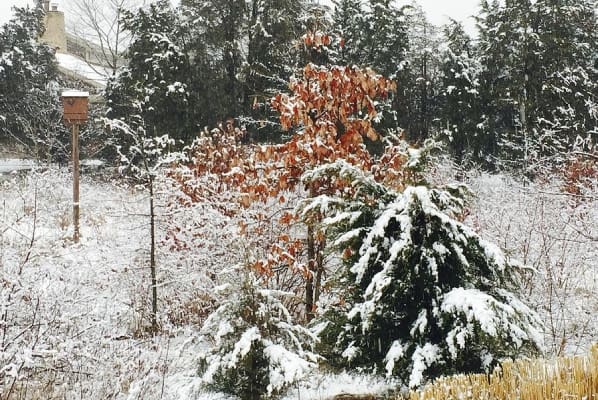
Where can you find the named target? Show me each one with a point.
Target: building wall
(55, 34)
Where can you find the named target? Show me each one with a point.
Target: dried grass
(561, 378)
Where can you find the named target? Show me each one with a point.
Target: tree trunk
(311, 270)
(153, 256)
(319, 269)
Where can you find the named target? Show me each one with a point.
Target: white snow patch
(94, 73)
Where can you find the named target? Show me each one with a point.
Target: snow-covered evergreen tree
(538, 77)
(349, 19)
(272, 56)
(255, 350)
(568, 105)
(374, 34)
(460, 108)
(153, 85)
(421, 82)
(422, 294)
(30, 109)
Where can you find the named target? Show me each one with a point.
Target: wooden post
(75, 143)
(75, 106)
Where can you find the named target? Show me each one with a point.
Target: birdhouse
(75, 105)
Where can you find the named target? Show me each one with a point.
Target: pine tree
(224, 24)
(242, 52)
(348, 22)
(274, 27)
(505, 52)
(538, 69)
(152, 89)
(374, 34)
(421, 79)
(30, 110)
(422, 295)
(460, 109)
(569, 94)
(255, 349)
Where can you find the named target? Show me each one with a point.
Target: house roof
(78, 68)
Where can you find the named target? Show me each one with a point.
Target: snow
(555, 234)
(94, 73)
(423, 356)
(74, 93)
(420, 323)
(475, 305)
(394, 353)
(8, 165)
(328, 386)
(90, 298)
(289, 368)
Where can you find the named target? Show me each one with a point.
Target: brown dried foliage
(333, 109)
(581, 174)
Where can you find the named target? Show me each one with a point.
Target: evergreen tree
(567, 106)
(221, 25)
(272, 58)
(538, 69)
(241, 53)
(501, 45)
(422, 294)
(316, 44)
(30, 110)
(374, 34)
(255, 350)
(421, 79)
(348, 20)
(460, 109)
(152, 89)
(386, 39)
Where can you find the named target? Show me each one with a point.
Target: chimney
(54, 34)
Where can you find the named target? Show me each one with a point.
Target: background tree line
(522, 94)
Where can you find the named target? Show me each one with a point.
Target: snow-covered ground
(8, 165)
(72, 315)
(556, 234)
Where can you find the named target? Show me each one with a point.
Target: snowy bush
(556, 233)
(255, 350)
(424, 295)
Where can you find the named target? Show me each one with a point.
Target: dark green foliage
(421, 78)
(205, 62)
(274, 29)
(374, 34)
(348, 21)
(216, 30)
(249, 379)
(152, 87)
(255, 350)
(460, 103)
(30, 108)
(538, 78)
(423, 294)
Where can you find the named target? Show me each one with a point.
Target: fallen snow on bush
(556, 234)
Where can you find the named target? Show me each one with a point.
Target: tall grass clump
(561, 378)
